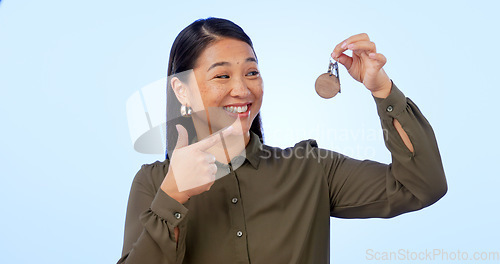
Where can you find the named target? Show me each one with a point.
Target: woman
(273, 205)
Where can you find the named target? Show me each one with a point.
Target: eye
(222, 76)
(253, 73)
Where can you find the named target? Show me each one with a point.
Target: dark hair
(186, 49)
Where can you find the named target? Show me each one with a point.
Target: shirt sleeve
(414, 180)
(151, 218)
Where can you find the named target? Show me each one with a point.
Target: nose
(239, 88)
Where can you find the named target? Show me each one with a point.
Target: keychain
(328, 84)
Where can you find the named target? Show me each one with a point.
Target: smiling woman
(193, 49)
(233, 83)
(273, 205)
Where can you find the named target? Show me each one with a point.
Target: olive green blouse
(275, 207)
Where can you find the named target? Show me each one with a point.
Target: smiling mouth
(237, 109)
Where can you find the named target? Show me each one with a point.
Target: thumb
(345, 60)
(182, 137)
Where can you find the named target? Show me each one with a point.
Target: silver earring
(186, 111)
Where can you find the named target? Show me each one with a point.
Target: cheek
(258, 91)
(261, 94)
(211, 95)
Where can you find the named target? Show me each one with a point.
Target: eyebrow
(225, 63)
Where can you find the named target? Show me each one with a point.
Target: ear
(180, 90)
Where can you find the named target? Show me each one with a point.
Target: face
(228, 85)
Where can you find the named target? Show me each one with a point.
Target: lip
(244, 114)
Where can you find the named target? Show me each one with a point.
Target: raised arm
(414, 179)
(156, 224)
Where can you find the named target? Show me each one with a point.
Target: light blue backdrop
(68, 67)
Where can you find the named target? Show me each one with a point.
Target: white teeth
(237, 109)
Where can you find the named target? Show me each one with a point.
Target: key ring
(333, 68)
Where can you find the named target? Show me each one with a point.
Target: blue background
(67, 69)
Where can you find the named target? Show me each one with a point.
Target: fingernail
(344, 44)
(351, 46)
(371, 55)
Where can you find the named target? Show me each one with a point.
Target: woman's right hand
(191, 170)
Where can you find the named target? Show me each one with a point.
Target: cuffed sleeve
(152, 216)
(168, 208)
(391, 106)
(414, 180)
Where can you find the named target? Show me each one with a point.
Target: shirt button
(389, 108)
(239, 233)
(234, 200)
(178, 215)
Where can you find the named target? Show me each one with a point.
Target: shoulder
(301, 144)
(307, 148)
(309, 143)
(150, 176)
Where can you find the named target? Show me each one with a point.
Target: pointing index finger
(213, 139)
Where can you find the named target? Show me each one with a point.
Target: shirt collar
(253, 150)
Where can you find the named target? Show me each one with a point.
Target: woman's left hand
(365, 65)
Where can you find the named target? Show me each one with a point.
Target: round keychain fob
(328, 84)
